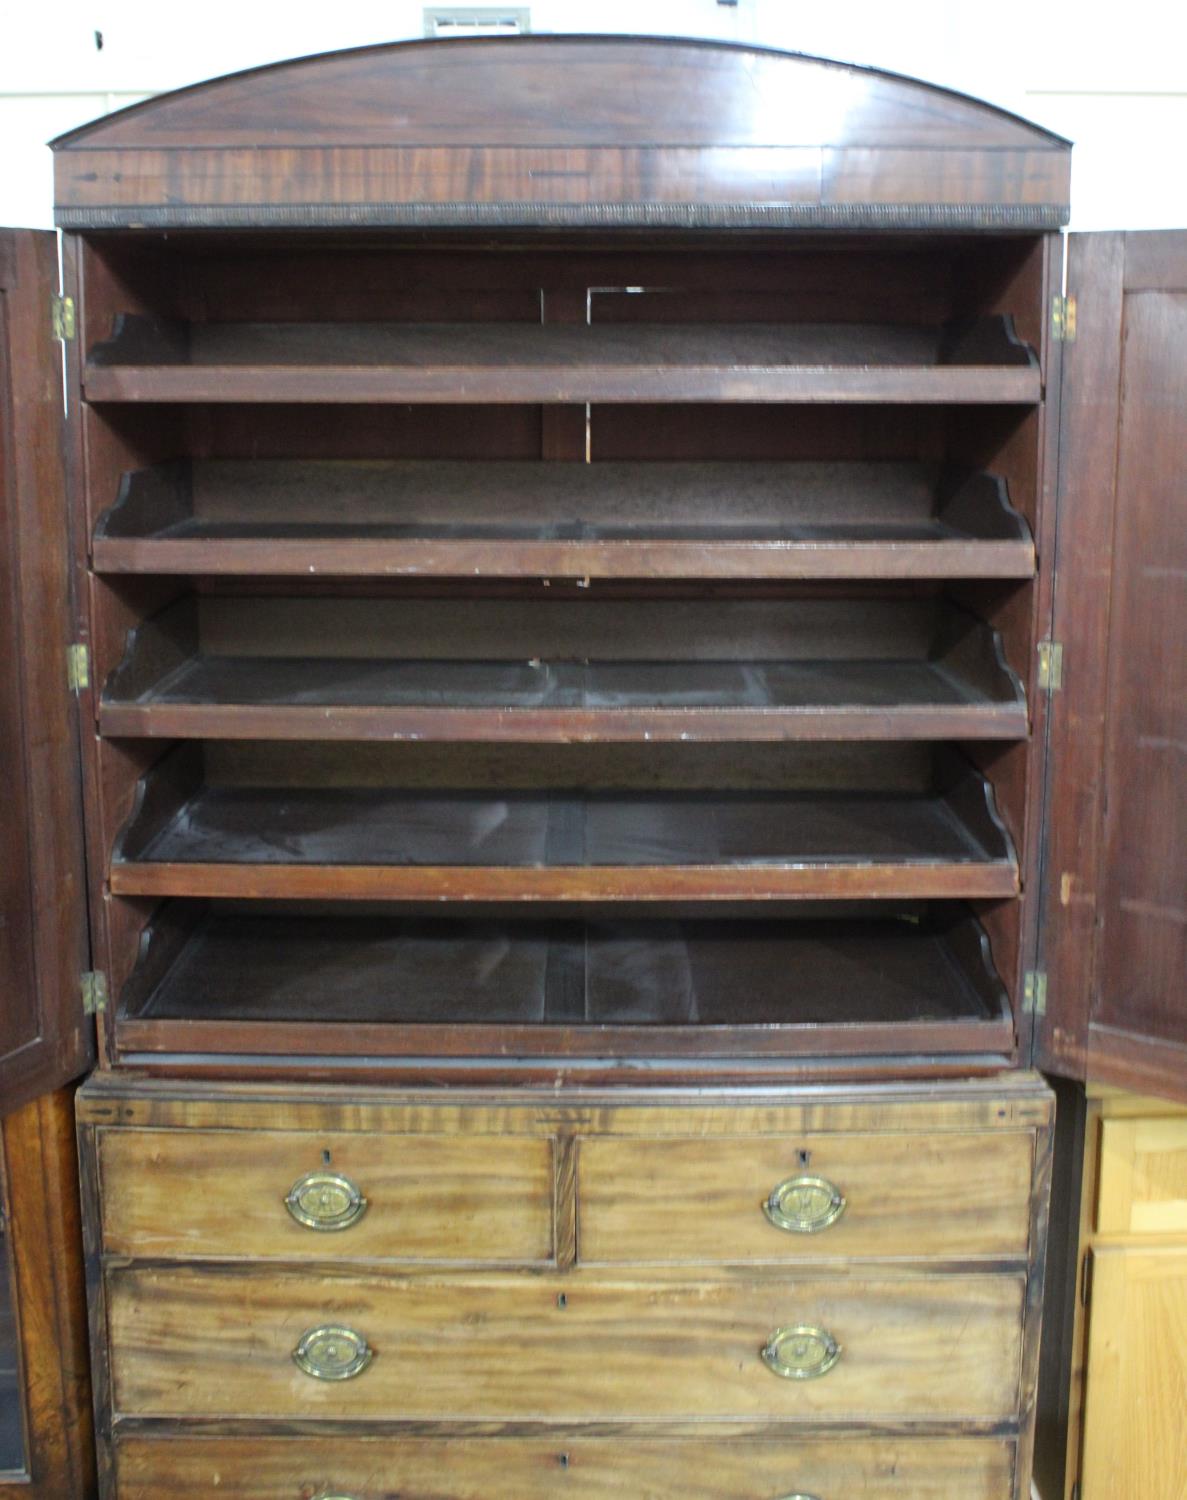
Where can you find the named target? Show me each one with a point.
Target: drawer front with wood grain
(279, 1194)
(1143, 1176)
(462, 1468)
(793, 1198)
(556, 1347)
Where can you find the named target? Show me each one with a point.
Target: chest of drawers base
(822, 1292)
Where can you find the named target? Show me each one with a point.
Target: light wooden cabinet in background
(1128, 1435)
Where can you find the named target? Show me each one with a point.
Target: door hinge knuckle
(61, 316)
(94, 992)
(1063, 319)
(1034, 993)
(1051, 666)
(78, 667)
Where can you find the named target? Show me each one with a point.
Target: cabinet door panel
(44, 1040)
(1137, 1376)
(1115, 891)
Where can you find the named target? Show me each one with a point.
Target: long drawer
(304, 1196)
(462, 1468)
(555, 1347)
(770, 1198)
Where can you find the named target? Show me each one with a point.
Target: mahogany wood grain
(1014, 1099)
(44, 1038)
(516, 363)
(563, 1347)
(187, 839)
(547, 130)
(868, 881)
(388, 987)
(701, 1202)
(585, 1468)
(220, 1195)
(39, 1170)
(468, 520)
(1114, 934)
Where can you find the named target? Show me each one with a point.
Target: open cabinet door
(1114, 946)
(45, 1039)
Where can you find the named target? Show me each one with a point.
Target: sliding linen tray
(189, 836)
(587, 668)
(505, 519)
(149, 359)
(323, 981)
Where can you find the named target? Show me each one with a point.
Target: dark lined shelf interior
(507, 519)
(323, 668)
(229, 965)
(190, 837)
(156, 360)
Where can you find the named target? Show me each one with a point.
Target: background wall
(1112, 78)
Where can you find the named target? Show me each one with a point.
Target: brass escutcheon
(804, 1205)
(800, 1353)
(326, 1201)
(332, 1353)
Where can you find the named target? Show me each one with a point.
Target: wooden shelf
(716, 670)
(156, 361)
(407, 519)
(191, 839)
(226, 979)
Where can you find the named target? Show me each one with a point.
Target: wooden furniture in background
(1130, 1385)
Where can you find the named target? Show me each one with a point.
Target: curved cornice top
(580, 129)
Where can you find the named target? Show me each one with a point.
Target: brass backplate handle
(800, 1353)
(804, 1205)
(331, 1352)
(326, 1201)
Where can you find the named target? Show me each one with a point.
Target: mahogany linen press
(616, 636)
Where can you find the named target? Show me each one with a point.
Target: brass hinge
(94, 993)
(1034, 993)
(1051, 665)
(1063, 319)
(78, 668)
(61, 317)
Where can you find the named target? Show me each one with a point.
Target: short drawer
(1143, 1176)
(292, 1195)
(581, 1469)
(771, 1198)
(554, 1347)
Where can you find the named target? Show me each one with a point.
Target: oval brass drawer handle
(325, 1200)
(804, 1205)
(800, 1353)
(332, 1353)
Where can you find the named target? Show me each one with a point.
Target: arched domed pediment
(565, 130)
